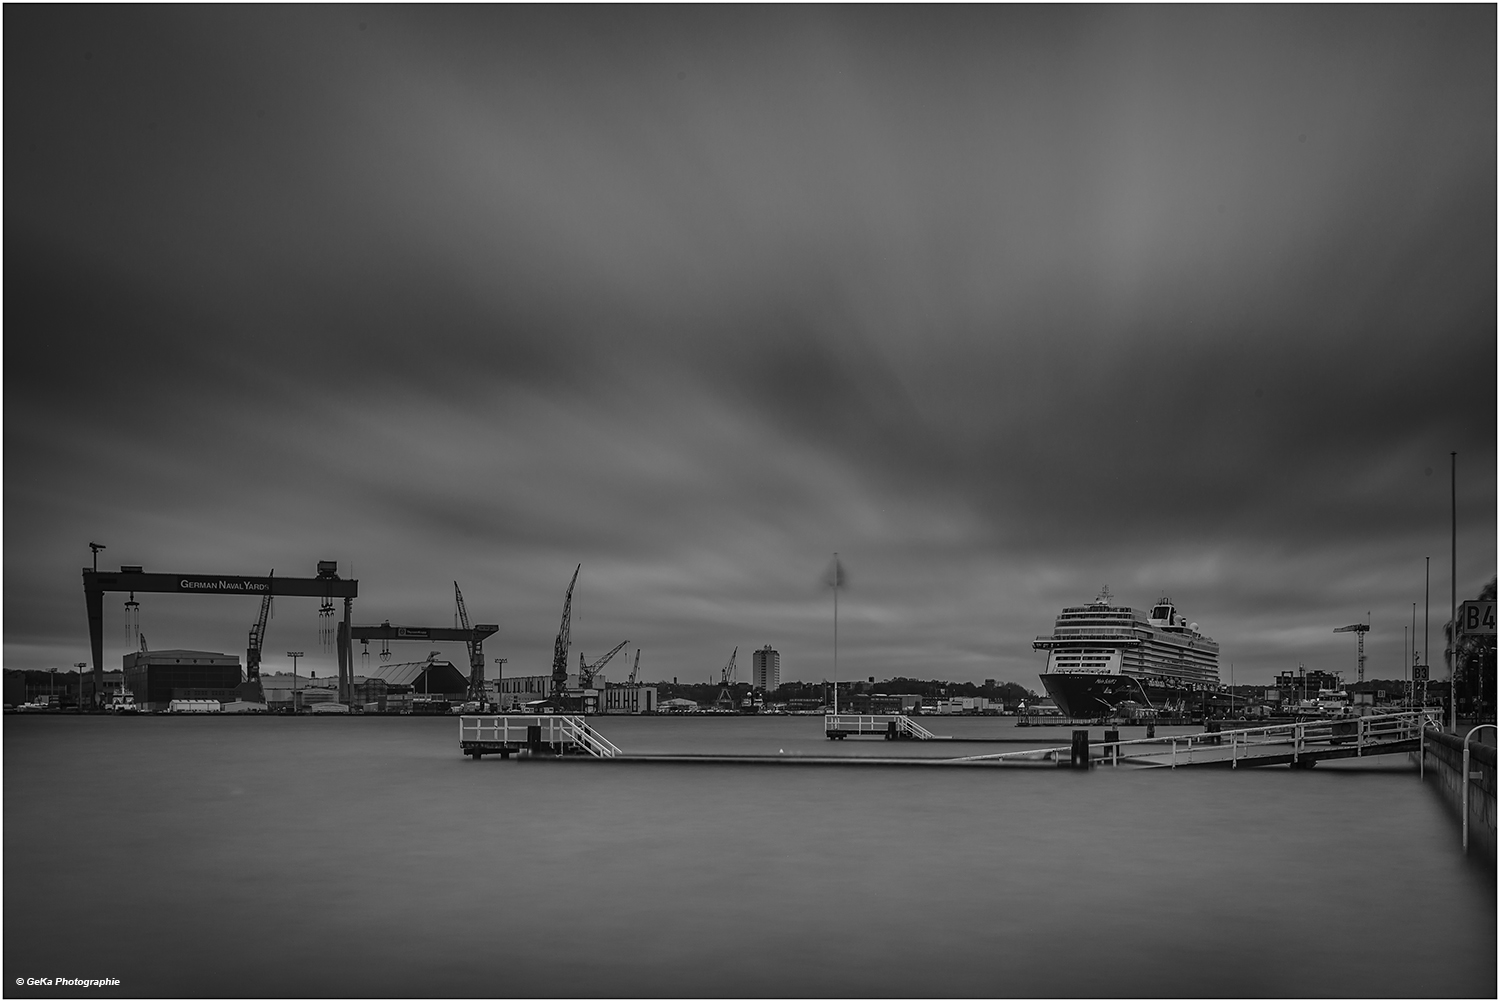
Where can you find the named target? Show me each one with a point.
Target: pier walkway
(1301, 744)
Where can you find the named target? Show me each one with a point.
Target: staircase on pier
(549, 735)
(891, 726)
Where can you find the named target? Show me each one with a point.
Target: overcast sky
(1002, 304)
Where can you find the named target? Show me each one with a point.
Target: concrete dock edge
(1443, 763)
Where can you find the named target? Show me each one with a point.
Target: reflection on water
(280, 856)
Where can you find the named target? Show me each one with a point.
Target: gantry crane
(258, 636)
(476, 649)
(560, 646)
(1361, 629)
(586, 671)
(727, 679)
(132, 578)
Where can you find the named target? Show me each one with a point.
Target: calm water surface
(309, 856)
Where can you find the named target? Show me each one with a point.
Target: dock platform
(1300, 745)
(536, 735)
(891, 726)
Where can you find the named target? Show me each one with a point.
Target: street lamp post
(294, 655)
(1453, 602)
(81, 665)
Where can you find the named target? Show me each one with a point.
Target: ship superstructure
(1103, 654)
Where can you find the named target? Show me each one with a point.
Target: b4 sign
(1477, 618)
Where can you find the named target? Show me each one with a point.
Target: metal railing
(1468, 777)
(561, 730)
(1246, 744)
(875, 723)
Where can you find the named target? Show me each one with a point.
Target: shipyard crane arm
(258, 635)
(475, 644)
(586, 672)
(637, 668)
(726, 694)
(564, 639)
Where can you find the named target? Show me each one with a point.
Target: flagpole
(836, 577)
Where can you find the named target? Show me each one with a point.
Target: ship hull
(1080, 694)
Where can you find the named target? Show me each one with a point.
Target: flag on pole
(836, 576)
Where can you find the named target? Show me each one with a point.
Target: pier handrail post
(1465, 780)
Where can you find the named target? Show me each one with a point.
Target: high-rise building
(766, 672)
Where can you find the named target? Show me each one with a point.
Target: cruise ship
(1103, 655)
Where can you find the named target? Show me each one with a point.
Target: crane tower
(561, 644)
(476, 649)
(1361, 629)
(727, 680)
(257, 636)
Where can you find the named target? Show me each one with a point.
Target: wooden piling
(1080, 757)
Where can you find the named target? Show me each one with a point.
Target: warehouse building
(430, 678)
(630, 699)
(518, 690)
(156, 678)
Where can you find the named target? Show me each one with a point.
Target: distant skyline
(1003, 304)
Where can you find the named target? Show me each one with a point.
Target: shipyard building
(156, 678)
(512, 694)
(766, 669)
(434, 678)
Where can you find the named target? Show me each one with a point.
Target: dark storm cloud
(1001, 303)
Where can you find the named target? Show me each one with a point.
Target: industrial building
(765, 673)
(630, 699)
(603, 697)
(156, 678)
(434, 678)
(518, 690)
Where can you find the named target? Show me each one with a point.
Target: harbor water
(281, 856)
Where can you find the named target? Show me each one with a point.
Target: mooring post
(1112, 742)
(534, 739)
(890, 730)
(1080, 759)
(1150, 728)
